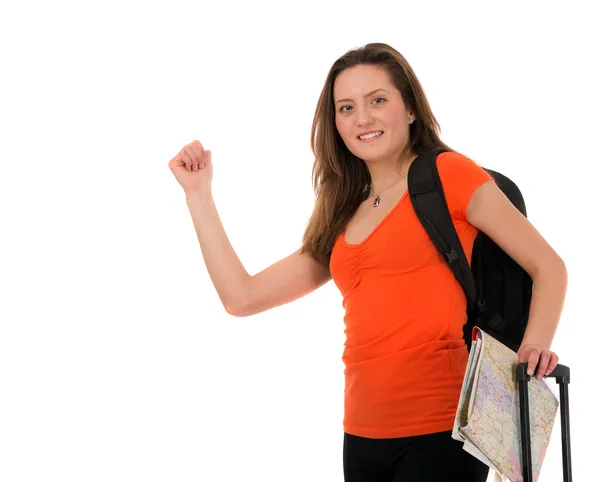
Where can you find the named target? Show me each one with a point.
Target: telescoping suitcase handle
(562, 375)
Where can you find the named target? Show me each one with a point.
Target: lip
(370, 140)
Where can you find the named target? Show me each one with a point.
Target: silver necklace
(378, 197)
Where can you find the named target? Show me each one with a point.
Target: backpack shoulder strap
(428, 200)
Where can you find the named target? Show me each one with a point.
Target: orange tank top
(404, 354)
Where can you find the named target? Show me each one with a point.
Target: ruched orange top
(404, 354)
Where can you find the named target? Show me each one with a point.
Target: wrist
(540, 346)
(195, 196)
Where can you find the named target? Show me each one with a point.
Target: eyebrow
(364, 96)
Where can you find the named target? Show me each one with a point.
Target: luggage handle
(562, 374)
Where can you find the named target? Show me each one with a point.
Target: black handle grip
(562, 373)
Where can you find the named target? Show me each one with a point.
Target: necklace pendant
(376, 202)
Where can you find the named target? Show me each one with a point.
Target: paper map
(487, 418)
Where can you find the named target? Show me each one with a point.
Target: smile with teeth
(373, 135)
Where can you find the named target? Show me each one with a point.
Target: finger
(534, 356)
(197, 148)
(543, 364)
(199, 145)
(197, 154)
(524, 352)
(187, 159)
(193, 156)
(552, 364)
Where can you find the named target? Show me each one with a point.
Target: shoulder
(455, 167)
(461, 176)
(452, 161)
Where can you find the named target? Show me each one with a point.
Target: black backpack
(498, 290)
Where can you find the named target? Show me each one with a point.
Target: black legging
(434, 457)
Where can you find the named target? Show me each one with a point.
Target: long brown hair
(341, 180)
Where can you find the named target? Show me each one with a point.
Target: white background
(117, 360)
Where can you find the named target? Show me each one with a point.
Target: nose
(363, 118)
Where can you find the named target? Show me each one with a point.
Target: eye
(342, 108)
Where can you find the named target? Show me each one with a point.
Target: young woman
(404, 354)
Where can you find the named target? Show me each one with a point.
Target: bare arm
(241, 294)
(287, 280)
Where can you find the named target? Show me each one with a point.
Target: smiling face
(381, 110)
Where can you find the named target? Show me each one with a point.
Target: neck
(384, 174)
